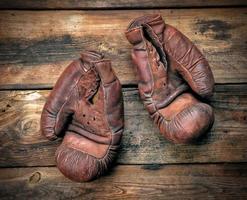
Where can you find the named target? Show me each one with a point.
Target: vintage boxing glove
(86, 107)
(168, 64)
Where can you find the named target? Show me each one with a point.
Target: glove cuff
(87, 57)
(90, 56)
(105, 71)
(134, 32)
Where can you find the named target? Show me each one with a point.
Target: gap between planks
(111, 4)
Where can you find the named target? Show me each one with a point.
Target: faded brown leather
(86, 105)
(168, 65)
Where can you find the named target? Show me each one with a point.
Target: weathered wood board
(21, 143)
(129, 182)
(35, 46)
(111, 4)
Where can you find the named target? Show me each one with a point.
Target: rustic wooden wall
(37, 41)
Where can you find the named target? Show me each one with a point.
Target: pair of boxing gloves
(86, 103)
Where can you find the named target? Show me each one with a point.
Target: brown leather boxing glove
(86, 105)
(167, 64)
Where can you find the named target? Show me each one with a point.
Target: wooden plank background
(23, 145)
(36, 46)
(129, 182)
(38, 39)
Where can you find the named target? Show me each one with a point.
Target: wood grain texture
(22, 145)
(129, 182)
(106, 4)
(35, 47)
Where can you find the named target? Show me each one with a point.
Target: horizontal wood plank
(35, 47)
(21, 143)
(129, 182)
(111, 4)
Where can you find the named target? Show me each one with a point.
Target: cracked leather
(86, 107)
(168, 66)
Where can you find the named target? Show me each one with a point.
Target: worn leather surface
(86, 107)
(169, 67)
